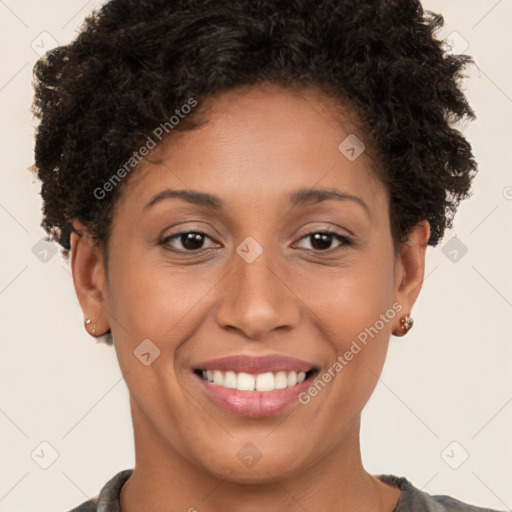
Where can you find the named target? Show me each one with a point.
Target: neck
(162, 476)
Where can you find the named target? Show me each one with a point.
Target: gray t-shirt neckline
(411, 498)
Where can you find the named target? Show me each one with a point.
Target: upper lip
(256, 365)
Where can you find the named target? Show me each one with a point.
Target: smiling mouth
(262, 382)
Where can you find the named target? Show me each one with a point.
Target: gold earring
(406, 323)
(87, 322)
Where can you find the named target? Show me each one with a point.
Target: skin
(296, 300)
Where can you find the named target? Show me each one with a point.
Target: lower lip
(254, 404)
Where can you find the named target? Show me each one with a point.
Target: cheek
(356, 309)
(160, 303)
(351, 300)
(150, 300)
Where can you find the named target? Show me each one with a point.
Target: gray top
(411, 498)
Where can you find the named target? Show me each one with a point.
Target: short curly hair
(135, 62)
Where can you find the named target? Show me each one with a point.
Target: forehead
(253, 144)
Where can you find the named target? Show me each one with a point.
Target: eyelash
(346, 241)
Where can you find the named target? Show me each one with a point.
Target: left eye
(192, 241)
(321, 240)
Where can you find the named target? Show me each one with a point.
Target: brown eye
(191, 241)
(321, 240)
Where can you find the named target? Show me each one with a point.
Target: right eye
(191, 241)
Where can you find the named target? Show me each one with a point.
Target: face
(260, 287)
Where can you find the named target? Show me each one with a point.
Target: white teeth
(280, 380)
(265, 382)
(230, 380)
(242, 381)
(245, 382)
(218, 378)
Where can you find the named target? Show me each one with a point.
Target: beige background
(448, 380)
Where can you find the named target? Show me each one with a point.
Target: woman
(247, 191)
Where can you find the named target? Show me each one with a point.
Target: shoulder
(108, 498)
(87, 506)
(413, 499)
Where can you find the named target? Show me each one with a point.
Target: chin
(248, 465)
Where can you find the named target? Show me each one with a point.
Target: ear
(89, 279)
(410, 270)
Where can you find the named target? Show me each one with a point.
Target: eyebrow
(300, 197)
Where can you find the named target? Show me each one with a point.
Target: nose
(257, 298)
